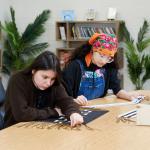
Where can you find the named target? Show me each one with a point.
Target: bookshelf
(75, 33)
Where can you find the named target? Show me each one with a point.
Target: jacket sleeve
(65, 102)
(16, 96)
(114, 82)
(72, 77)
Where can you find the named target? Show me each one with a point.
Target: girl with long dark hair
(36, 93)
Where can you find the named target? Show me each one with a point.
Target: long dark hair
(45, 61)
(81, 51)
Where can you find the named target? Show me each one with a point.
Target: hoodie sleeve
(114, 81)
(65, 102)
(71, 78)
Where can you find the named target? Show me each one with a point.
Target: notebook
(88, 115)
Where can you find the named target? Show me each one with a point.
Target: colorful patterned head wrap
(105, 44)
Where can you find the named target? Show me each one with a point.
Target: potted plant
(138, 59)
(20, 49)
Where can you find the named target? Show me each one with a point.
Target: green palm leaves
(138, 54)
(20, 49)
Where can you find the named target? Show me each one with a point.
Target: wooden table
(106, 134)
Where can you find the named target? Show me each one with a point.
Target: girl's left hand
(76, 119)
(134, 96)
(81, 100)
(127, 95)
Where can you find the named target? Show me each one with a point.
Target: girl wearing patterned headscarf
(91, 70)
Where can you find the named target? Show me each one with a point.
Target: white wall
(132, 12)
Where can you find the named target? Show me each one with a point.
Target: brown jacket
(21, 101)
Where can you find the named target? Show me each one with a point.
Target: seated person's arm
(115, 85)
(126, 95)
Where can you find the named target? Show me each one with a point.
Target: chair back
(2, 93)
(2, 98)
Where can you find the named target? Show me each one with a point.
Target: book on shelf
(100, 30)
(62, 33)
(112, 30)
(78, 32)
(107, 30)
(83, 32)
(74, 32)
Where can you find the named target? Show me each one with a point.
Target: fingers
(81, 100)
(135, 96)
(76, 119)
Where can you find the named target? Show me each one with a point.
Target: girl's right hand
(81, 100)
(76, 119)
